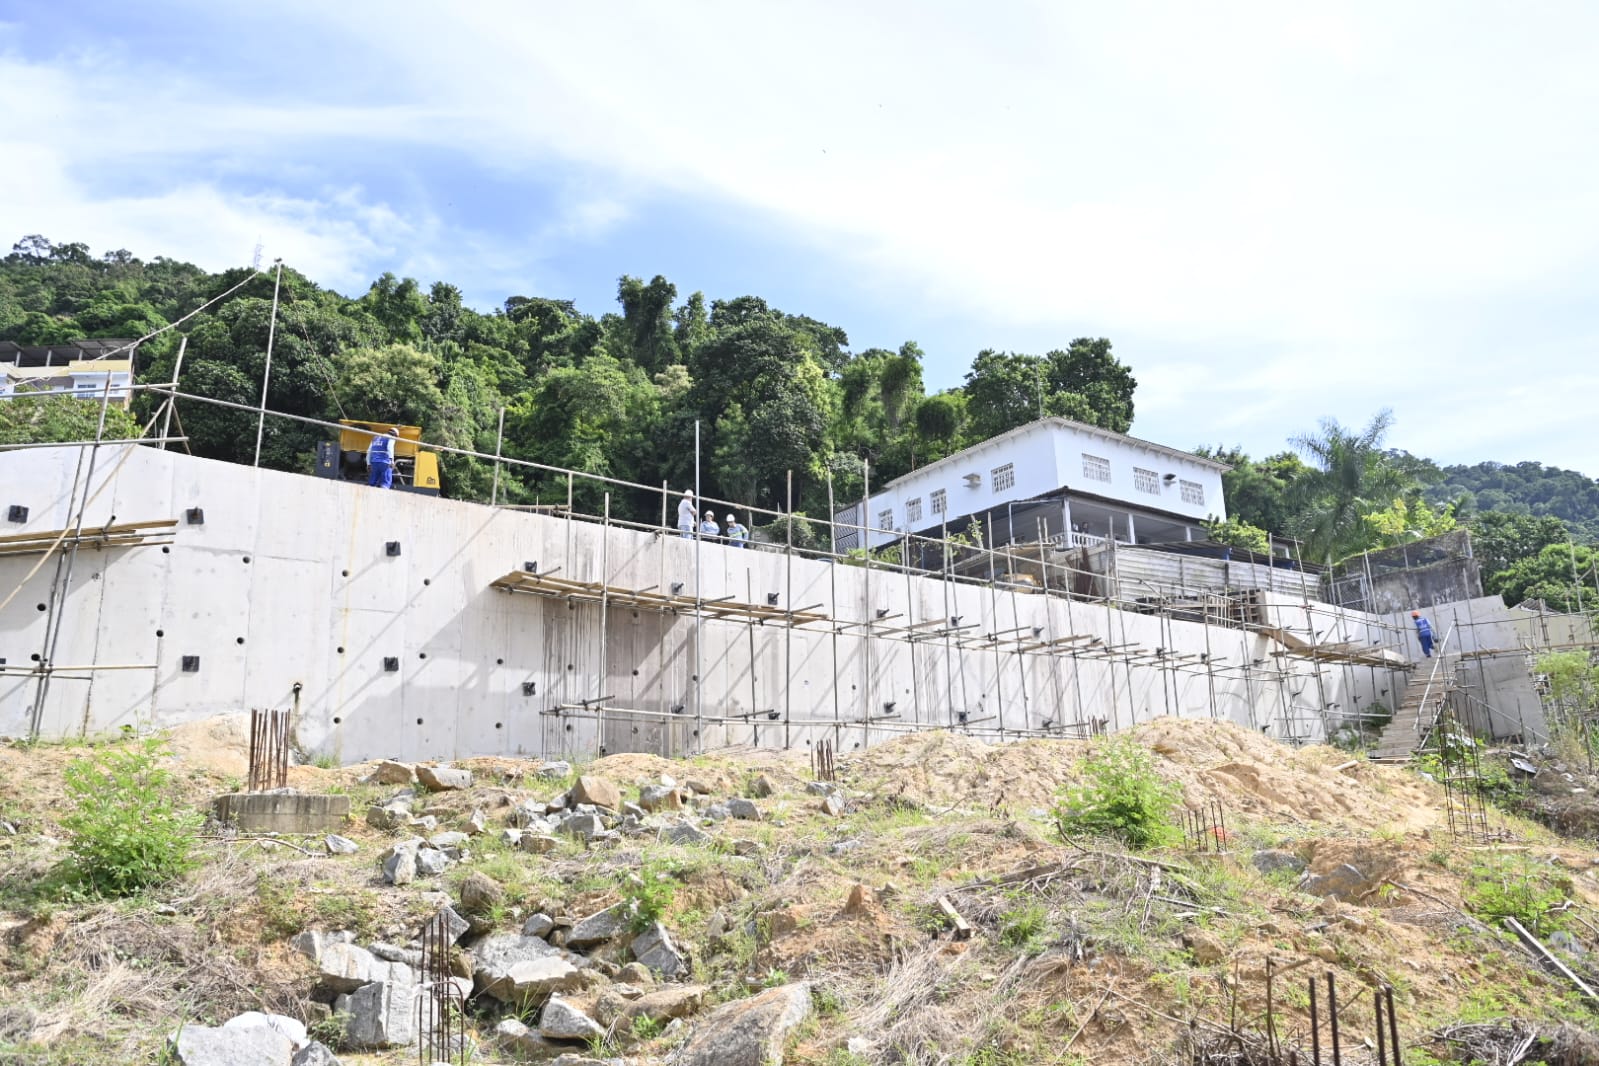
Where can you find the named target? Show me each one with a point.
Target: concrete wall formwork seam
(378, 609)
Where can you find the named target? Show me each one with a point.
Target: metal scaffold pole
(266, 378)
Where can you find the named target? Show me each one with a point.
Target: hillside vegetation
(835, 903)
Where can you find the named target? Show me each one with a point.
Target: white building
(1069, 481)
(85, 368)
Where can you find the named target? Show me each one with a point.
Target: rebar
(822, 766)
(441, 1025)
(1205, 828)
(269, 750)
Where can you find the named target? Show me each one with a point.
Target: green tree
(1564, 576)
(45, 419)
(1349, 479)
(1237, 533)
(395, 383)
(1404, 521)
(1500, 539)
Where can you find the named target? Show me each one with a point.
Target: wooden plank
(963, 929)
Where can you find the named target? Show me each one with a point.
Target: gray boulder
(399, 862)
(820, 788)
(539, 843)
(430, 862)
(514, 968)
(1271, 861)
(598, 791)
(453, 925)
(654, 948)
(292, 1028)
(597, 928)
(749, 1032)
(312, 944)
(659, 798)
(1344, 883)
(540, 925)
(762, 787)
(338, 845)
(478, 822)
(391, 815)
(345, 967)
(443, 778)
(553, 771)
(685, 833)
(521, 1041)
(381, 1014)
(561, 1021)
(315, 1054)
(390, 772)
(834, 805)
(584, 826)
(199, 1045)
(744, 810)
(452, 840)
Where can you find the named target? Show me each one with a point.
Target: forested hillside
(616, 393)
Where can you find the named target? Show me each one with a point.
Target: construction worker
(380, 459)
(709, 528)
(736, 533)
(686, 514)
(1423, 633)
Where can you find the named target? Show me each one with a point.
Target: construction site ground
(1081, 952)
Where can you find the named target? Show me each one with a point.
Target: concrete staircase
(1413, 719)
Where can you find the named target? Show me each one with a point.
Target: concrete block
(282, 812)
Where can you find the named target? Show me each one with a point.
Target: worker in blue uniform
(1423, 633)
(380, 460)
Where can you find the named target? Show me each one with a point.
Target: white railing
(1074, 539)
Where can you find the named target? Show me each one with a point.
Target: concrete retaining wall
(288, 582)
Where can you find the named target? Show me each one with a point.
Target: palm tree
(1351, 478)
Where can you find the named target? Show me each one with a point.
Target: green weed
(1122, 797)
(128, 829)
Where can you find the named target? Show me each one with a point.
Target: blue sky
(1275, 214)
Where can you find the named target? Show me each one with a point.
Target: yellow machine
(415, 470)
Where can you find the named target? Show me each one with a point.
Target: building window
(885, 521)
(937, 501)
(1194, 493)
(1095, 468)
(1146, 481)
(1004, 477)
(913, 510)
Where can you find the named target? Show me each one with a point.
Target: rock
(312, 944)
(381, 1014)
(719, 812)
(598, 791)
(654, 948)
(391, 815)
(859, 1046)
(540, 925)
(747, 848)
(539, 843)
(762, 787)
(292, 1028)
(685, 833)
(582, 826)
(425, 824)
(1272, 861)
(659, 798)
(744, 810)
(820, 788)
(448, 841)
(553, 771)
(843, 847)
(1561, 940)
(480, 893)
(343, 967)
(749, 1032)
(572, 1058)
(608, 924)
(635, 973)
(337, 845)
(561, 1021)
(660, 1004)
(478, 822)
(199, 1045)
(511, 837)
(523, 816)
(390, 772)
(834, 804)
(430, 862)
(395, 953)
(856, 904)
(699, 788)
(453, 925)
(513, 1036)
(315, 1054)
(444, 778)
(1204, 947)
(1344, 882)
(514, 968)
(400, 862)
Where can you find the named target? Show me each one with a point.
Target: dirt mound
(1256, 775)
(943, 769)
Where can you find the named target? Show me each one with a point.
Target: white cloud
(1302, 212)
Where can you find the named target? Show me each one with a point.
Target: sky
(1277, 213)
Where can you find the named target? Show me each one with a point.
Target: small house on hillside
(84, 368)
(1065, 482)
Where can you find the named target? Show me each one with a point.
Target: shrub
(649, 896)
(1121, 797)
(128, 830)
(1514, 886)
